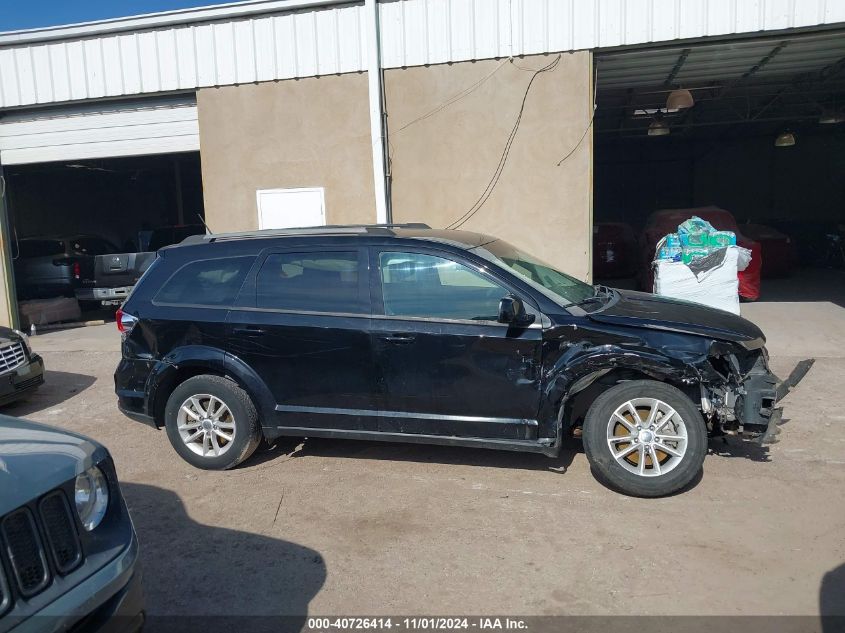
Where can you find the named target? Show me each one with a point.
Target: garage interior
(760, 133)
(112, 198)
(119, 200)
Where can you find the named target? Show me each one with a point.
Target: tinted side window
(213, 282)
(426, 286)
(310, 282)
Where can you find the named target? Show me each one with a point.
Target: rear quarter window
(210, 282)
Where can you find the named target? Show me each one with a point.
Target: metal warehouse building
(528, 119)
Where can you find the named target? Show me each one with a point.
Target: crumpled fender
(581, 364)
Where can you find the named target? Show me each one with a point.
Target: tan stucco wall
(442, 164)
(300, 133)
(315, 132)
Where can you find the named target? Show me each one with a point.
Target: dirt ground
(333, 527)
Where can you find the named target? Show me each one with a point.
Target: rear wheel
(645, 438)
(212, 423)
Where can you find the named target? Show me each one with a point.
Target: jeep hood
(35, 458)
(641, 309)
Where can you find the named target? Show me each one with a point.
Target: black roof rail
(330, 229)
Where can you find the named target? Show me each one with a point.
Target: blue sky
(28, 14)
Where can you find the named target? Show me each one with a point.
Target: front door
(445, 365)
(304, 329)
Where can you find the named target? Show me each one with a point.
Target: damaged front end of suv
(739, 392)
(717, 359)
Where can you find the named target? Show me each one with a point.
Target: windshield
(545, 278)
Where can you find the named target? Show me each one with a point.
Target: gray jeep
(68, 550)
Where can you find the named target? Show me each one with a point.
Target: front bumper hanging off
(757, 399)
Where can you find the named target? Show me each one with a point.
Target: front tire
(645, 438)
(212, 423)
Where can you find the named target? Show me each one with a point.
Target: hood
(641, 309)
(35, 458)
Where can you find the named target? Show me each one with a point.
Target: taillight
(125, 322)
(77, 270)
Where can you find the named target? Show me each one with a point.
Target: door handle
(249, 330)
(399, 339)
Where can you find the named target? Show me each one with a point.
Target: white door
(100, 130)
(290, 208)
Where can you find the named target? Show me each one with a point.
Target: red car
(778, 251)
(614, 250)
(666, 221)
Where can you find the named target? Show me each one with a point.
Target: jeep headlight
(91, 494)
(24, 340)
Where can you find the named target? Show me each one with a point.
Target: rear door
(446, 366)
(302, 324)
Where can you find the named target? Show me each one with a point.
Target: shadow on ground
(832, 601)
(203, 578)
(58, 387)
(733, 447)
(287, 448)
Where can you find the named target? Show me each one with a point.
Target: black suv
(404, 333)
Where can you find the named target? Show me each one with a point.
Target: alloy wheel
(206, 425)
(647, 437)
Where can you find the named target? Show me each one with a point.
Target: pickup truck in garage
(116, 273)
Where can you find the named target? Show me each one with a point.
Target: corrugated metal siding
(303, 43)
(322, 41)
(151, 126)
(418, 32)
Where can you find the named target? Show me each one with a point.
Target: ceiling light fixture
(658, 127)
(831, 117)
(785, 139)
(679, 100)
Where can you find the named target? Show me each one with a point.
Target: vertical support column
(383, 215)
(8, 300)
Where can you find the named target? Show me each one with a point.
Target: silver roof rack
(331, 229)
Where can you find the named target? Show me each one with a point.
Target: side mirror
(512, 311)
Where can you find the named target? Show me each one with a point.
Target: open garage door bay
(102, 130)
(88, 180)
(747, 133)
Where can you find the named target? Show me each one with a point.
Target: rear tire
(654, 454)
(212, 423)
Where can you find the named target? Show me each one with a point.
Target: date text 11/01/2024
(416, 623)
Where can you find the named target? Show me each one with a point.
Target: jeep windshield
(540, 275)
